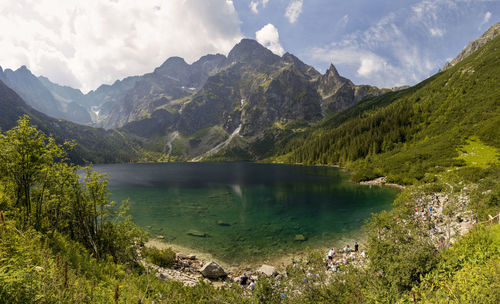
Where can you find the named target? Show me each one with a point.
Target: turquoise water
(248, 212)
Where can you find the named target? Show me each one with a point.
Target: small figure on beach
(331, 252)
(356, 247)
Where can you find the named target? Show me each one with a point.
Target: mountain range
(190, 111)
(250, 104)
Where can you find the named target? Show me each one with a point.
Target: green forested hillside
(405, 134)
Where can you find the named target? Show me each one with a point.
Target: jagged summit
(23, 69)
(491, 33)
(332, 71)
(249, 50)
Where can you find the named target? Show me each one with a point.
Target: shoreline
(277, 261)
(381, 181)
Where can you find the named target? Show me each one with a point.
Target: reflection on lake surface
(246, 211)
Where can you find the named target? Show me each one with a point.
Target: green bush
(160, 257)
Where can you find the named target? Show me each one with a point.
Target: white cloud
(269, 37)
(436, 32)
(254, 7)
(345, 20)
(87, 43)
(486, 19)
(294, 10)
(382, 55)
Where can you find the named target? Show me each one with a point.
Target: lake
(241, 212)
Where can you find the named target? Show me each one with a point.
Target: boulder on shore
(212, 270)
(267, 270)
(180, 256)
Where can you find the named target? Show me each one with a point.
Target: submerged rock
(267, 270)
(212, 270)
(300, 238)
(161, 237)
(222, 223)
(196, 233)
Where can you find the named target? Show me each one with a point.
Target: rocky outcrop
(339, 93)
(473, 46)
(213, 271)
(267, 270)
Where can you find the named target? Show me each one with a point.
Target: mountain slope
(37, 95)
(406, 134)
(94, 145)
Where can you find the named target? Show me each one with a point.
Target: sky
(387, 43)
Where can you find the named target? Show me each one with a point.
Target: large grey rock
(267, 270)
(212, 270)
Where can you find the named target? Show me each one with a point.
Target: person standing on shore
(356, 247)
(330, 254)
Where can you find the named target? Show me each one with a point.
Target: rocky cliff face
(473, 46)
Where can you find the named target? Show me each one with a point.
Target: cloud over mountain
(87, 43)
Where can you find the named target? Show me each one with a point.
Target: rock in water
(212, 270)
(196, 233)
(222, 223)
(300, 238)
(267, 270)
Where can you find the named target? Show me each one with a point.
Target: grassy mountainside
(405, 134)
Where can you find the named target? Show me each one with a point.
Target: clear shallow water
(262, 207)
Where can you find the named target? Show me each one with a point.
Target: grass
(476, 154)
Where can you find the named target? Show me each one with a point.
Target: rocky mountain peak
(172, 65)
(473, 46)
(332, 72)
(23, 70)
(248, 50)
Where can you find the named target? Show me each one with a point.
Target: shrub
(160, 257)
